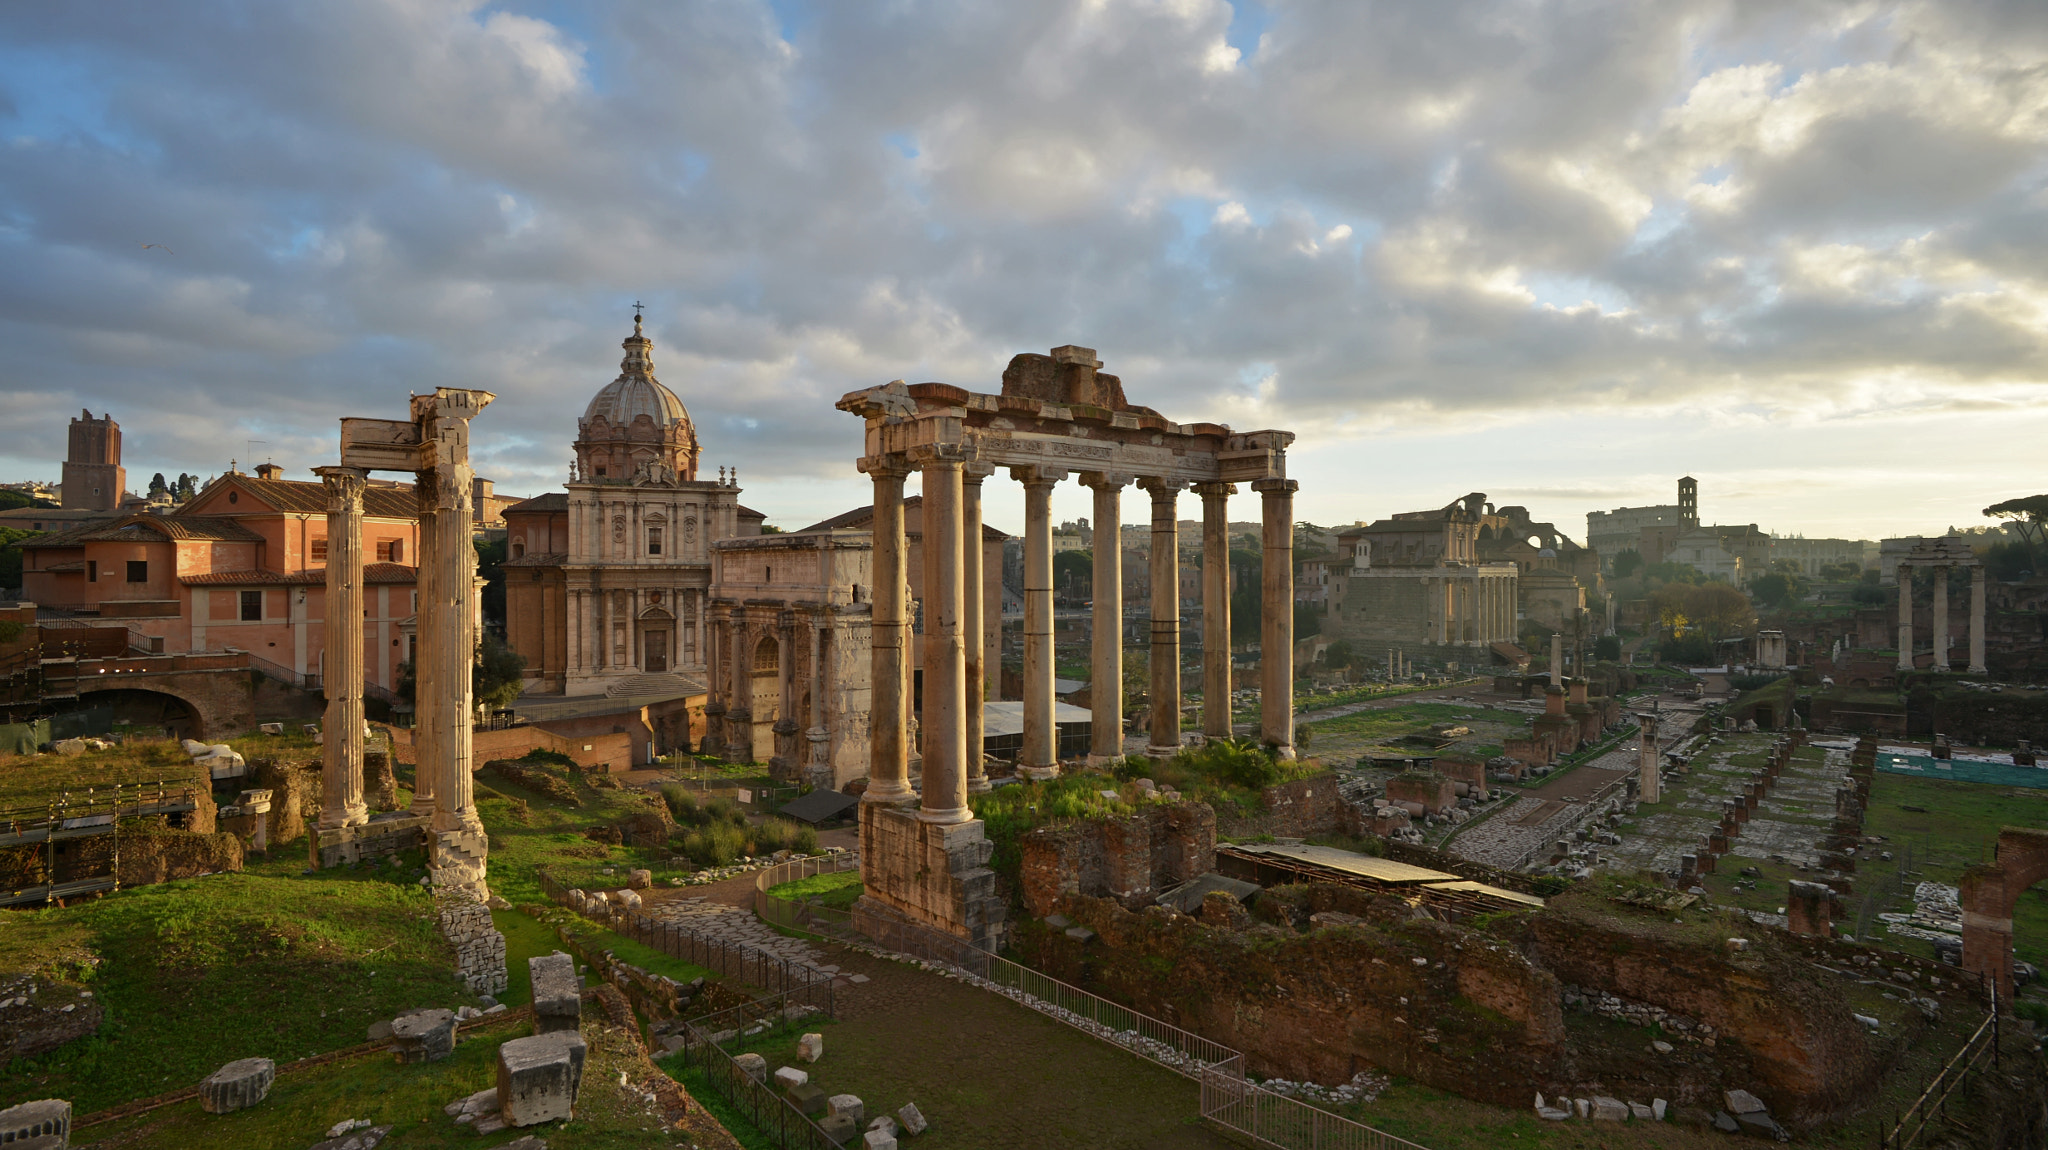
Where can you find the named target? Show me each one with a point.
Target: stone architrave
(341, 775)
(1276, 625)
(1216, 608)
(1163, 696)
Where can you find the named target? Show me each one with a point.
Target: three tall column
(1040, 757)
(1941, 619)
(972, 624)
(1215, 608)
(945, 654)
(1276, 608)
(341, 776)
(1977, 665)
(1905, 617)
(1106, 661)
(888, 757)
(1164, 563)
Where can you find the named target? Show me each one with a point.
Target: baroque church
(607, 584)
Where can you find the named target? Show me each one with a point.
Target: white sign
(746, 796)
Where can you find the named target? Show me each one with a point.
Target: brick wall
(1297, 808)
(609, 752)
(479, 947)
(1130, 859)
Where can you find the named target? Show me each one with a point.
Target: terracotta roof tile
(313, 577)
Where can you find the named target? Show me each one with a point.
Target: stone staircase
(659, 683)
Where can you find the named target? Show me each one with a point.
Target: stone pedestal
(423, 1035)
(932, 874)
(538, 1077)
(238, 1085)
(557, 992)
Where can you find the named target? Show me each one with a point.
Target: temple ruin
(923, 853)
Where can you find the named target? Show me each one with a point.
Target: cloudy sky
(1558, 252)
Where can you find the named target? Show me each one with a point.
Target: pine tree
(157, 486)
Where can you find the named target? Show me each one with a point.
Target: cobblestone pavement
(723, 922)
(1789, 824)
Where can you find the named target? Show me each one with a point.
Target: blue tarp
(1963, 770)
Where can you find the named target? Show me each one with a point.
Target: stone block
(878, 1140)
(1607, 1109)
(640, 879)
(537, 1079)
(911, 1119)
(884, 1123)
(423, 1035)
(1658, 1108)
(844, 1105)
(47, 1120)
(753, 1066)
(238, 1085)
(557, 992)
(1741, 1102)
(807, 1098)
(629, 899)
(839, 1130)
(1640, 1112)
(810, 1047)
(789, 1076)
(365, 1139)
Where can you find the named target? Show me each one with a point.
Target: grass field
(838, 889)
(1955, 827)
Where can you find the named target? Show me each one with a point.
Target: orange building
(242, 565)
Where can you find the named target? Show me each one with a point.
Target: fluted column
(1905, 617)
(888, 753)
(1276, 660)
(973, 624)
(1977, 665)
(1215, 608)
(427, 705)
(1941, 619)
(1040, 757)
(341, 776)
(1164, 564)
(945, 654)
(1106, 642)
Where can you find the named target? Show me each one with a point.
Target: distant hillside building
(1416, 581)
(1612, 532)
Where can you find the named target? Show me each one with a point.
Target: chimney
(269, 471)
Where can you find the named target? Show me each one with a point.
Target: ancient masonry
(924, 857)
(479, 948)
(434, 446)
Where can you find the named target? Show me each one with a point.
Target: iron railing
(774, 1115)
(737, 960)
(807, 916)
(1932, 1105)
(1235, 1103)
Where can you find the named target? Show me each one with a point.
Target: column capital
(890, 465)
(1038, 475)
(1276, 486)
(1215, 490)
(929, 455)
(1105, 480)
(975, 471)
(1161, 487)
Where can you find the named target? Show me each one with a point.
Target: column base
(1038, 774)
(1159, 752)
(932, 875)
(946, 817)
(1979, 669)
(459, 859)
(1284, 752)
(888, 796)
(980, 786)
(353, 816)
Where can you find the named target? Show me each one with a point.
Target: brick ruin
(1130, 860)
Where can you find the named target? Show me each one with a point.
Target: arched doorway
(151, 710)
(767, 698)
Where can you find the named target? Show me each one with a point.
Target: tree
(1777, 588)
(188, 486)
(490, 557)
(1669, 602)
(9, 500)
(2009, 562)
(1607, 647)
(1308, 620)
(157, 486)
(1073, 573)
(1840, 572)
(2028, 516)
(495, 678)
(1246, 597)
(1717, 608)
(1627, 563)
(10, 555)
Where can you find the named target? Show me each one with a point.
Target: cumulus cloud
(1354, 219)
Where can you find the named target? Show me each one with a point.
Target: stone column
(715, 741)
(819, 736)
(973, 624)
(1941, 619)
(888, 753)
(945, 654)
(1557, 660)
(1165, 658)
(1215, 608)
(1905, 617)
(1106, 642)
(1652, 784)
(1040, 757)
(739, 715)
(786, 725)
(1977, 665)
(426, 726)
(1276, 608)
(448, 632)
(341, 776)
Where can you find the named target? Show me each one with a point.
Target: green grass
(1956, 828)
(837, 890)
(199, 972)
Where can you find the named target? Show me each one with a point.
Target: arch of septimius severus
(923, 854)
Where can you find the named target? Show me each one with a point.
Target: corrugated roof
(1468, 886)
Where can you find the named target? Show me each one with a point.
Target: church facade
(607, 584)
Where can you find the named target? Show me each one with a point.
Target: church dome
(636, 392)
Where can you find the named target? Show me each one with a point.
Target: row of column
(954, 678)
(1940, 621)
(1471, 609)
(593, 622)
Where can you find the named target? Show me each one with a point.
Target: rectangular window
(654, 540)
(92, 571)
(138, 570)
(391, 551)
(320, 549)
(252, 606)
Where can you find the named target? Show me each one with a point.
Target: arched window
(767, 655)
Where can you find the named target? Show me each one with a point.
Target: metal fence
(805, 916)
(737, 960)
(1232, 1102)
(771, 1113)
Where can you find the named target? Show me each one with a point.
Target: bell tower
(94, 479)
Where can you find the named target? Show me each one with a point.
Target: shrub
(1237, 762)
(682, 805)
(545, 757)
(724, 810)
(715, 845)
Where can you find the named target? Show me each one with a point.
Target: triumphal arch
(923, 854)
